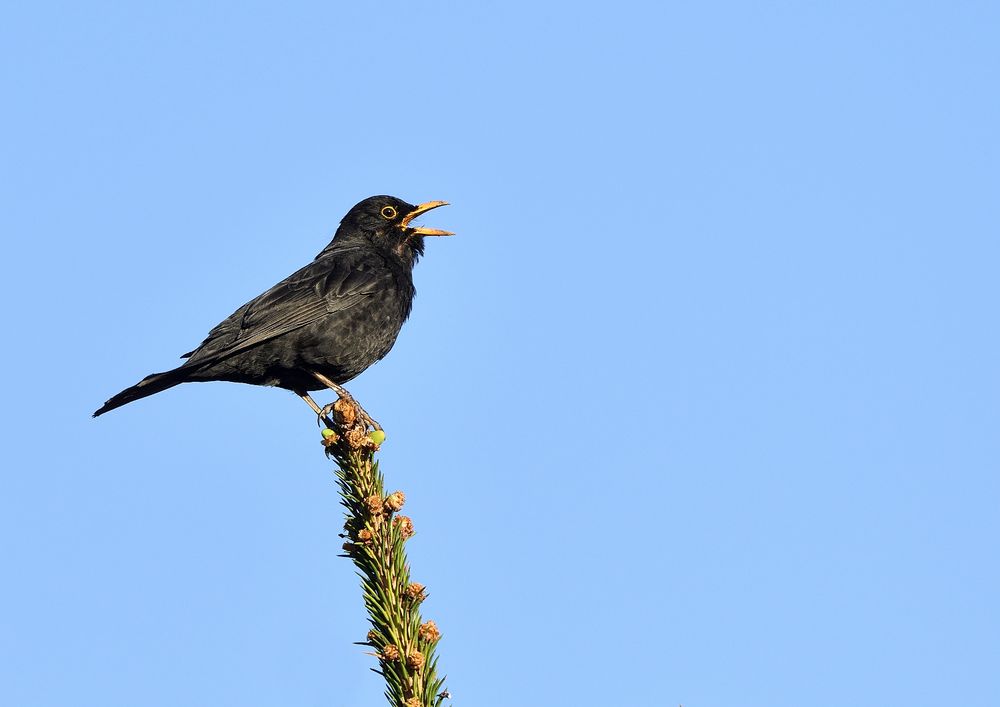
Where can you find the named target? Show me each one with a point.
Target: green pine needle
(376, 541)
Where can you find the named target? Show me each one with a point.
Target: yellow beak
(422, 209)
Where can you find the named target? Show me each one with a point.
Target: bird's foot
(323, 419)
(346, 409)
(322, 414)
(344, 395)
(347, 427)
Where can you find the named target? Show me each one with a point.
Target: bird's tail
(147, 386)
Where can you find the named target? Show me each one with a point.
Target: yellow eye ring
(388, 212)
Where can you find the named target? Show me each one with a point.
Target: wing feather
(335, 282)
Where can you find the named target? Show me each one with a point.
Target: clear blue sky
(700, 407)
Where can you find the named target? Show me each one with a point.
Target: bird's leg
(341, 392)
(321, 414)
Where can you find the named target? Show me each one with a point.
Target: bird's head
(385, 221)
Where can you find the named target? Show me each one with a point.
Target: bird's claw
(330, 408)
(368, 420)
(323, 416)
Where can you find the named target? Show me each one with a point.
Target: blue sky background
(700, 406)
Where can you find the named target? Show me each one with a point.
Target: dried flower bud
(390, 653)
(344, 412)
(365, 536)
(354, 437)
(372, 637)
(413, 702)
(405, 525)
(348, 547)
(395, 500)
(374, 504)
(414, 660)
(415, 592)
(429, 632)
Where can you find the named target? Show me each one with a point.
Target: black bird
(323, 325)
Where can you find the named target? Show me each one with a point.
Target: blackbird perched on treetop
(323, 325)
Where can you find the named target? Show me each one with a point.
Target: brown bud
(372, 637)
(390, 653)
(365, 536)
(415, 592)
(429, 632)
(414, 660)
(405, 525)
(413, 702)
(344, 412)
(374, 504)
(355, 438)
(348, 547)
(395, 500)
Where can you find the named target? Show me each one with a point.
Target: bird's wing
(327, 285)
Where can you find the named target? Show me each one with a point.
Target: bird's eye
(388, 212)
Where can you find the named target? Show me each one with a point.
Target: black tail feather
(147, 386)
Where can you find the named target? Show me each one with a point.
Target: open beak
(423, 230)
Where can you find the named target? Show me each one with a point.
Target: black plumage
(323, 325)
